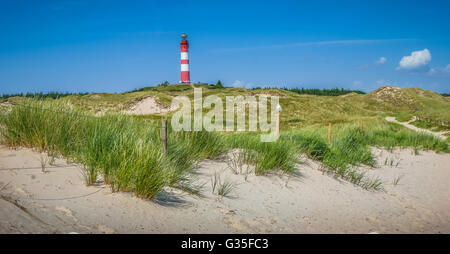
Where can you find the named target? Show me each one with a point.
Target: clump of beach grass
(125, 150)
(90, 175)
(350, 147)
(240, 161)
(44, 160)
(267, 157)
(222, 189)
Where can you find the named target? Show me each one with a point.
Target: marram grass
(350, 146)
(125, 150)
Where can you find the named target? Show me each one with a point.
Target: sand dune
(148, 105)
(311, 202)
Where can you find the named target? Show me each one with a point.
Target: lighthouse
(184, 60)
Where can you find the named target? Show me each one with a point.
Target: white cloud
(314, 43)
(433, 71)
(447, 68)
(238, 83)
(383, 82)
(381, 61)
(440, 71)
(357, 83)
(242, 84)
(418, 60)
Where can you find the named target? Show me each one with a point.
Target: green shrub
(219, 84)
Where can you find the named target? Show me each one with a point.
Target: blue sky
(115, 45)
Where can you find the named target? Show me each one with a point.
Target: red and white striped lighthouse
(184, 60)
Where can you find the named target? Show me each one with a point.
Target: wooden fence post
(164, 135)
(329, 133)
(361, 127)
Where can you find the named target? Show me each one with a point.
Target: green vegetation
(126, 151)
(264, 156)
(41, 95)
(299, 110)
(350, 147)
(222, 189)
(219, 84)
(403, 116)
(397, 180)
(165, 83)
(323, 92)
(431, 125)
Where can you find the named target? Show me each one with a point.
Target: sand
(309, 202)
(148, 105)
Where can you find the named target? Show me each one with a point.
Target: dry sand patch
(311, 202)
(148, 105)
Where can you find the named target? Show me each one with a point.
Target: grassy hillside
(299, 110)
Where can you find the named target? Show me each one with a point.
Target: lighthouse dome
(184, 35)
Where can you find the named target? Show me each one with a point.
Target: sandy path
(59, 202)
(412, 127)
